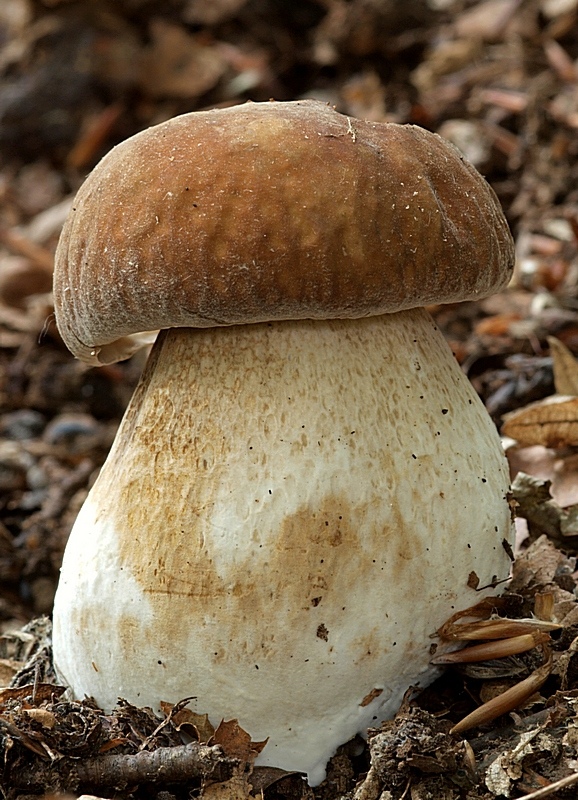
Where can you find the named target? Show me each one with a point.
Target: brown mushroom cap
(272, 211)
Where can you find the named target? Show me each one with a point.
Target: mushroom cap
(272, 211)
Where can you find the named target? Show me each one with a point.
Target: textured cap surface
(272, 211)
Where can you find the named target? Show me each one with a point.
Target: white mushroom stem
(288, 513)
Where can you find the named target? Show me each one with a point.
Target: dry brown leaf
(486, 20)
(236, 788)
(196, 725)
(41, 715)
(560, 468)
(236, 742)
(177, 64)
(264, 777)
(543, 514)
(39, 747)
(552, 422)
(8, 669)
(497, 325)
(565, 368)
(41, 692)
(538, 565)
(446, 57)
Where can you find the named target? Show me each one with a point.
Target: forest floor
(499, 78)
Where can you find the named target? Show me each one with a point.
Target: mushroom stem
(288, 513)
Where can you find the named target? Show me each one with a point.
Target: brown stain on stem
(316, 554)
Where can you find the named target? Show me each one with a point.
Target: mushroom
(305, 485)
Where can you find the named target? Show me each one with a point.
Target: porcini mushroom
(305, 485)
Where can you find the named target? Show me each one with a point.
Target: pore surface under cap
(272, 211)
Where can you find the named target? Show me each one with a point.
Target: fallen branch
(165, 765)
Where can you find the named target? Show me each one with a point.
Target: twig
(166, 721)
(166, 764)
